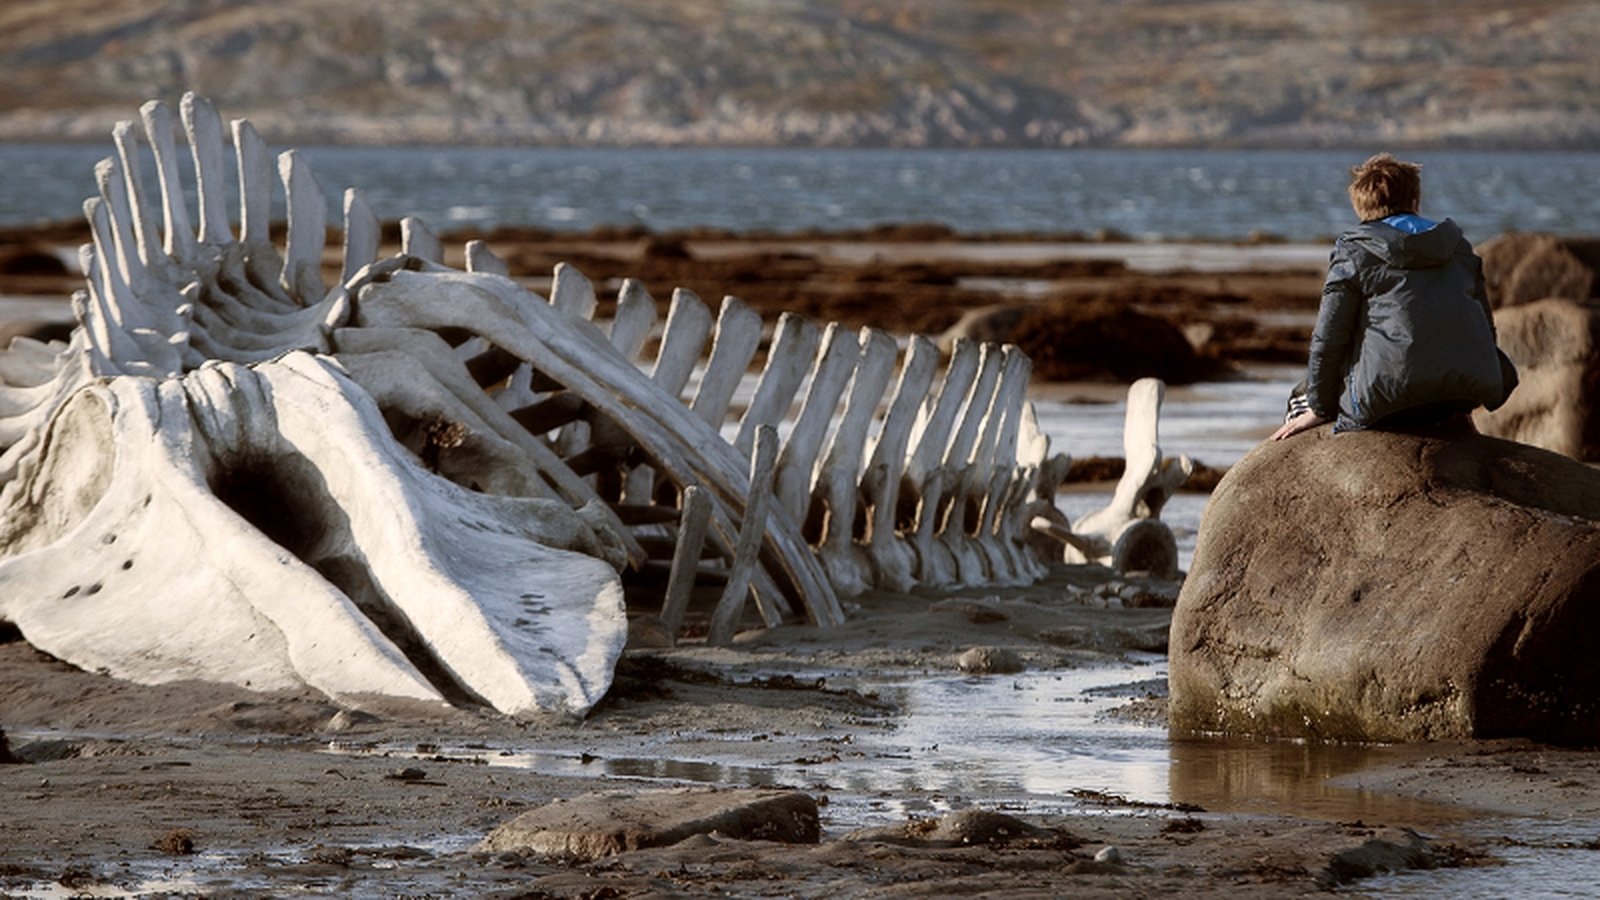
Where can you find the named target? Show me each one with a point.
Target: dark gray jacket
(1404, 324)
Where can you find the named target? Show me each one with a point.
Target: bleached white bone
(417, 239)
(841, 349)
(308, 228)
(685, 558)
(839, 476)
(1146, 483)
(362, 235)
(738, 335)
(793, 346)
(725, 618)
(894, 560)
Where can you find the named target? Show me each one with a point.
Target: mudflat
(198, 788)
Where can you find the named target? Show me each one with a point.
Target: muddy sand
(200, 789)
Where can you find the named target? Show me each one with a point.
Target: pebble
(990, 661)
(1109, 855)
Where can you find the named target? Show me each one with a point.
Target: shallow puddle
(1044, 742)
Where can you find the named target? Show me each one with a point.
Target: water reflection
(1292, 777)
(1044, 742)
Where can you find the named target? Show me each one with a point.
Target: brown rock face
(597, 825)
(1522, 268)
(1556, 346)
(1394, 587)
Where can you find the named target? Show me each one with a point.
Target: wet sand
(203, 789)
(195, 788)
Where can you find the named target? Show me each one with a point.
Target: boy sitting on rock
(1404, 336)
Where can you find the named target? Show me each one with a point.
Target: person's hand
(1303, 422)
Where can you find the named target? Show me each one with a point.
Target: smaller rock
(981, 826)
(649, 633)
(331, 856)
(990, 661)
(410, 773)
(1110, 856)
(596, 825)
(177, 842)
(345, 719)
(969, 827)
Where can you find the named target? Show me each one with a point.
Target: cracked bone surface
(389, 476)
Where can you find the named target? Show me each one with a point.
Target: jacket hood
(1423, 250)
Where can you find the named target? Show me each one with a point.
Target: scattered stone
(410, 773)
(969, 827)
(1110, 856)
(1394, 587)
(177, 842)
(345, 719)
(990, 661)
(1388, 850)
(602, 824)
(1185, 825)
(649, 633)
(331, 856)
(981, 826)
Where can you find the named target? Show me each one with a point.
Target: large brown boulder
(1394, 587)
(1556, 346)
(1073, 341)
(1524, 267)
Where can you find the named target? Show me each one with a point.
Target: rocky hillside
(821, 72)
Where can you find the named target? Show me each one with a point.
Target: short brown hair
(1384, 186)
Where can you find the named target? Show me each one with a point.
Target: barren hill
(821, 72)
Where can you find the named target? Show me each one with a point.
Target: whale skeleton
(434, 483)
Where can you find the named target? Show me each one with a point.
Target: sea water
(1144, 194)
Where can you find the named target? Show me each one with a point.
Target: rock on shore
(1555, 343)
(603, 824)
(1394, 587)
